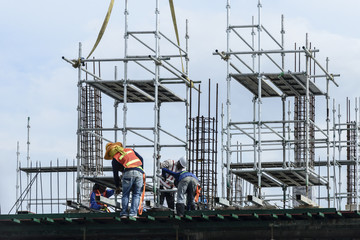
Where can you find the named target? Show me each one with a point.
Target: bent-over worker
(187, 184)
(130, 163)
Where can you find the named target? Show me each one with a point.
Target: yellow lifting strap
(103, 27)
(172, 9)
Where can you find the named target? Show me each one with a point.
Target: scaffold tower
(293, 141)
(151, 88)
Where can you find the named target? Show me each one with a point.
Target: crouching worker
(99, 190)
(130, 163)
(187, 185)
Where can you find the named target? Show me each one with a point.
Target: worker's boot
(180, 209)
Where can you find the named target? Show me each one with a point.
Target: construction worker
(188, 187)
(168, 182)
(130, 163)
(99, 190)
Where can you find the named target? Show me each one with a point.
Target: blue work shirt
(94, 204)
(178, 175)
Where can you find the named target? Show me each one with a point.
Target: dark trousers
(169, 196)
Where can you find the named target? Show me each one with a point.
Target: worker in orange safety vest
(130, 163)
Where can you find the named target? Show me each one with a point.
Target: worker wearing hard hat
(188, 189)
(167, 184)
(129, 162)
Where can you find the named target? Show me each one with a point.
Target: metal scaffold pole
(78, 154)
(116, 105)
(334, 152)
(156, 108)
(328, 134)
(338, 197)
(126, 39)
(223, 186)
(259, 147)
(17, 172)
(28, 207)
(188, 89)
(357, 152)
(228, 105)
(307, 120)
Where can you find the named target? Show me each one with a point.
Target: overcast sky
(37, 83)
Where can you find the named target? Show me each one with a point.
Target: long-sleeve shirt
(94, 204)
(178, 175)
(118, 167)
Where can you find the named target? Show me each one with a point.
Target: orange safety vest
(97, 193)
(129, 160)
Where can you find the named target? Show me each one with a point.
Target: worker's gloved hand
(117, 190)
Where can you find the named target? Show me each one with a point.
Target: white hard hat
(182, 161)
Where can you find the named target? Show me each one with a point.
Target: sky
(37, 83)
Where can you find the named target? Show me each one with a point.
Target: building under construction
(280, 172)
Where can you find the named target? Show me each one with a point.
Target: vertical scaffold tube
(187, 106)
(126, 38)
(222, 153)
(156, 109)
(259, 99)
(282, 43)
(78, 133)
(116, 104)
(17, 174)
(357, 153)
(327, 136)
(334, 150)
(340, 148)
(228, 104)
(28, 154)
(307, 121)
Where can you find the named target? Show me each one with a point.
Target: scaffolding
(294, 141)
(150, 81)
(152, 89)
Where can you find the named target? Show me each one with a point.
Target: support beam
(306, 201)
(255, 200)
(222, 201)
(107, 201)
